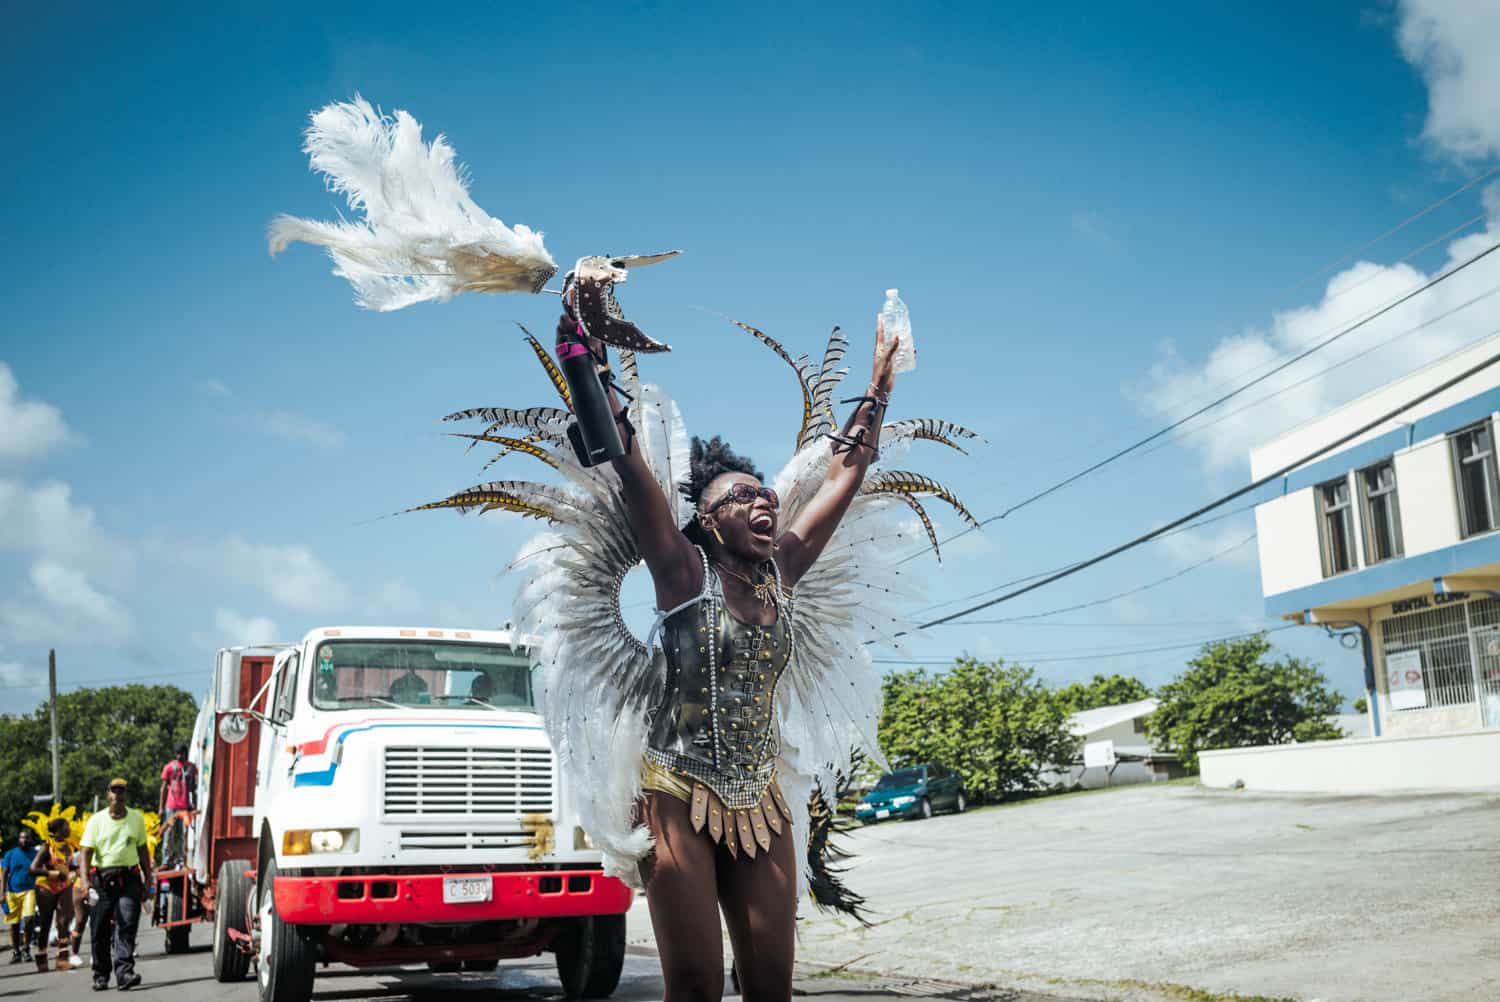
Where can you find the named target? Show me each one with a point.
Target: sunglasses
(744, 494)
(117, 789)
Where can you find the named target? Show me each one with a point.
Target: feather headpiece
(422, 237)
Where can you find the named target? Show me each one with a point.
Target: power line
(1233, 495)
(1032, 577)
(80, 682)
(1124, 594)
(1102, 655)
(1430, 283)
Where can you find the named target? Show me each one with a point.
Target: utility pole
(52, 701)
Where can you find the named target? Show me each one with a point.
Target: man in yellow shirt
(117, 866)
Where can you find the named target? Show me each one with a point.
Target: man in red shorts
(178, 799)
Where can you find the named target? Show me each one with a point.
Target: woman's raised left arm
(854, 449)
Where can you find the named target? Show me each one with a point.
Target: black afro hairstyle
(709, 460)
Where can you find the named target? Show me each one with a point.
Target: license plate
(462, 890)
(882, 815)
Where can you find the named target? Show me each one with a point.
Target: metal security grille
(1442, 637)
(434, 782)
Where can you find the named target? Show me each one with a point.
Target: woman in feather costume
(726, 585)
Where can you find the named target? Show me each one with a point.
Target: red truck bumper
(418, 898)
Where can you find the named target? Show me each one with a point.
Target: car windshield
(382, 673)
(899, 778)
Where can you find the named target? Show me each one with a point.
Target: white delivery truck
(405, 808)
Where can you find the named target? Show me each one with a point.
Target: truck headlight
(306, 841)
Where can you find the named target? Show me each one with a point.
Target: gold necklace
(764, 590)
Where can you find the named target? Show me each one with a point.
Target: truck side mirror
(227, 680)
(233, 728)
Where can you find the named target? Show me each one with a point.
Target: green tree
(1361, 705)
(994, 724)
(1103, 690)
(1232, 696)
(127, 730)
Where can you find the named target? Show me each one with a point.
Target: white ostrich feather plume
(422, 237)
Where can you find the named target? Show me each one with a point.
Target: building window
(1474, 468)
(1382, 515)
(1336, 526)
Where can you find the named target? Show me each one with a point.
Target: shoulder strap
(710, 588)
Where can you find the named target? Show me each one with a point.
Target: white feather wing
(422, 237)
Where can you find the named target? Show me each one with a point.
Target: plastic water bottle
(897, 323)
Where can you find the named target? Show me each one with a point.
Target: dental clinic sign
(1404, 680)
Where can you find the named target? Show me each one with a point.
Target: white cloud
(28, 428)
(1453, 44)
(290, 575)
(296, 428)
(1176, 386)
(212, 388)
(235, 629)
(63, 607)
(44, 521)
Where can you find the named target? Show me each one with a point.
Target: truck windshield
(363, 674)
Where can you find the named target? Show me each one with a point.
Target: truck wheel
(173, 908)
(287, 959)
(230, 911)
(590, 956)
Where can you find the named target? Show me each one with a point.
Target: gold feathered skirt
(749, 828)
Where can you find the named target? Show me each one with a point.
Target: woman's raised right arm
(675, 568)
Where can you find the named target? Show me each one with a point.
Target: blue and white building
(1396, 536)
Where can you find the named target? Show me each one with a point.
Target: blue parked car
(913, 793)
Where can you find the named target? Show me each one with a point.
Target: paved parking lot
(1140, 892)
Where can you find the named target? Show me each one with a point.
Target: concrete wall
(1287, 536)
(1427, 497)
(1464, 761)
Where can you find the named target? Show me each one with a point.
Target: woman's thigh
(682, 895)
(759, 898)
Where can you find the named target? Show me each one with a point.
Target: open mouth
(763, 525)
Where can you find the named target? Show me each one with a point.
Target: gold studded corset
(716, 720)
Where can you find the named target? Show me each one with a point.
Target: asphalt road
(190, 977)
(1175, 892)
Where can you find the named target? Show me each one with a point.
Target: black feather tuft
(826, 861)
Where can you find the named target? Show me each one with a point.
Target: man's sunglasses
(744, 494)
(117, 789)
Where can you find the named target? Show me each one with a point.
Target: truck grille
(458, 782)
(467, 841)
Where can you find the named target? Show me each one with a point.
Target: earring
(715, 531)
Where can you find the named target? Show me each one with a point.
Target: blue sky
(1096, 215)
